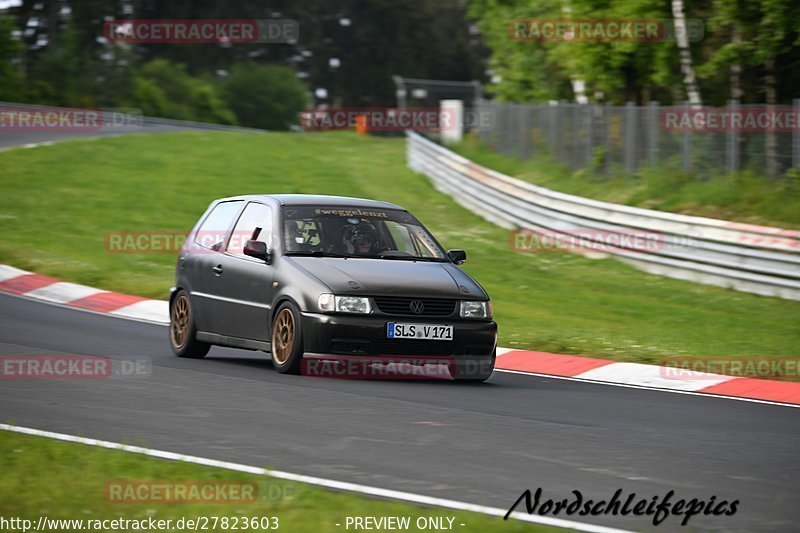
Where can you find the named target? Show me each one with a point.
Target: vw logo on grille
(417, 306)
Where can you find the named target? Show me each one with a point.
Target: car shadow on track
(264, 362)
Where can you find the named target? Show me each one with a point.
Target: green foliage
(767, 30)
(11, 83)
(265, 96)
(149, 98)
(164, 89)
(642, 71)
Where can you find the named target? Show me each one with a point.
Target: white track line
(322, 482)
(645, 387)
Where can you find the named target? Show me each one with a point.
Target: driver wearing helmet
(361, 239)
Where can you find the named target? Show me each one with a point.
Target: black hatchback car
(327, 277)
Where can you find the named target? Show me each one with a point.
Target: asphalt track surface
(11, 138)
(480, 444)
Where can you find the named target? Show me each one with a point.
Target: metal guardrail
(758, 259)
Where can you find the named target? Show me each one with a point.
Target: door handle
(217, 269)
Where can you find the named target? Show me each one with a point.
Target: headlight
(475, 309)
(343, 304)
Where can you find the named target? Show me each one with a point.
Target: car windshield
(357, 232)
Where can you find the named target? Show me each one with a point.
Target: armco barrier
(758, 259)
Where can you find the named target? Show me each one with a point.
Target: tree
(763, 39)
(11, 83)
(687, 66)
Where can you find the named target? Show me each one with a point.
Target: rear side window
(254, 224)
(214, 229)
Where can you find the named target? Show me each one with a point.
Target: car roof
(316, 199)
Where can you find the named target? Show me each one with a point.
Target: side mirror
(257, 249)
(457, 256)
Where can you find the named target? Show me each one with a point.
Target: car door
(246, 282)
(201, 266)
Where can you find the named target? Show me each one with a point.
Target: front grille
(413, 347)
(404, 306)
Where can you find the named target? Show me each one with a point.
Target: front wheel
(287, 340)
(182, 331)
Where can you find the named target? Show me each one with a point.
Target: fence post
(732, 140)
(687, 142)
(629, 136)
(796, 136)
(606, 137)
(492, 134)
(589, 110)
(653, 137)
(522, 132)
(507, 130)
(555, 129)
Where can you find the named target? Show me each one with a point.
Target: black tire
(287, 339)
(182, 330)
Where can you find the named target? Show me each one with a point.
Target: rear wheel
(287, 339)
(182, 331)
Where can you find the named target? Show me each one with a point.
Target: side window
(254, 224)
(214, 229)
(402, 239)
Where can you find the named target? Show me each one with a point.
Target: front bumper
(470, 355)
(366, 335)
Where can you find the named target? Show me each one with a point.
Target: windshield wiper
(316, 253)
(407, 258)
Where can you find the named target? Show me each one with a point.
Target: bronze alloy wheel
(179, 322)
(283, 333)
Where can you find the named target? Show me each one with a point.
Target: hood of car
(384, 277)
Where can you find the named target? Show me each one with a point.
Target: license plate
(431, 332)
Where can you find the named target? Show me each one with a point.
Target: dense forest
(54, 52)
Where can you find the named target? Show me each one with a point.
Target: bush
(265, 96)
(163, 89)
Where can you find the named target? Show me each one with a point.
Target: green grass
(60, 480)
(745, 197)
(59, 201)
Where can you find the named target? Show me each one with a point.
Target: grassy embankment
(59, 202)
(745, 197)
